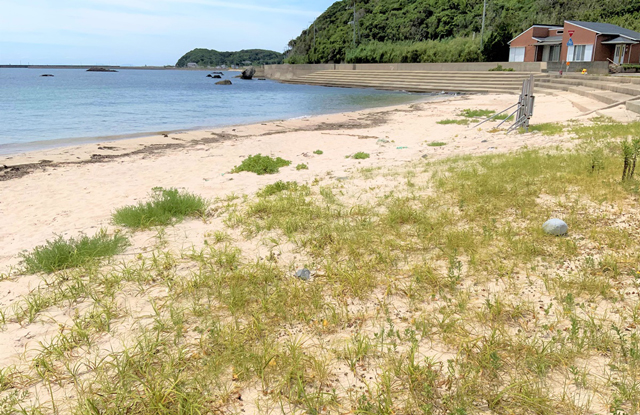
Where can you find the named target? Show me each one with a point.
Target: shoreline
(103, 148)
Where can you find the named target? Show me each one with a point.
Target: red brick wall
(526, 40)
(580, 37)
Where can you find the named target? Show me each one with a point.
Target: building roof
(546, 26)
(606, 29)
(620, 40)
(549, 40)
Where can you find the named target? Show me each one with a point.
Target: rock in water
(225, 82)
(304, 274)
(47, 75)
(248, 73)
(98, 69)
(555, 227)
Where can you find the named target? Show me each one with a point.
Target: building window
(554, 53)
(579, 53)
(516, 54)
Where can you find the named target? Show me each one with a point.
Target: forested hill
(209, 57)
(440, 30)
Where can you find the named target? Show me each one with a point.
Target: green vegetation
(451, 50)
(435, 291)
(61, 253)
(502, 117)
(302, 166)
(318, 152)
(548, 128)
(436, 144)
(457, 122)
(499, 68)
(277, 187)
(260, 165)
(471, 113)
(428, 31)
(213, 58)
(166, 207)
(360, 156)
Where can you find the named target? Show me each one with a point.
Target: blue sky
(145, 32)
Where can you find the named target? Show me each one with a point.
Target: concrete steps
(604, 84)
(421, 81)
(608, 97)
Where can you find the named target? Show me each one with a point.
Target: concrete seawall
(287, 72)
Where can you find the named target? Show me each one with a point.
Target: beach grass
(302, 166)
(318, 152)
(437, 144)
(260, 165)
(167, 206)
(61, 253)
(545, 128)
(435, 290)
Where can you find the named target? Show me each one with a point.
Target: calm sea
(76, 106)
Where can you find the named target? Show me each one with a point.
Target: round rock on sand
(555, 227)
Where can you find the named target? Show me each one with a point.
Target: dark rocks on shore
(248, 73)
(97, 69)
(214, 75)
(225, 82)
(46, 75)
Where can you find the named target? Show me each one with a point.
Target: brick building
(576, 42)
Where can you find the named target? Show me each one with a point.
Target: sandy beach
(74, 190)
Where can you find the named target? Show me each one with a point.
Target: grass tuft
(318, 152)
(60, 254)
(260, 165)
(436, 144)
(302, 166)
(469, 113)
(548, 128)
(277, 187)
(361, 155)
(457, 122)
(166, 207)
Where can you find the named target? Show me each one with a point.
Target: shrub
(436, 144)
(499, 68)
(302, 166)
(318, 152)
(166, 207)
(260, 165)
(462, 49)
(63, 254)
(360, 156)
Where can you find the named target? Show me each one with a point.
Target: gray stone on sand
(304, 274)
(555, 227)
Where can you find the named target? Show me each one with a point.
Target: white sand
(70, 199)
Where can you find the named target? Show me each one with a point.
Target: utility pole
(354, 23)
(484, 13)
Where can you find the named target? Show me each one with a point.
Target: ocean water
(76, 106)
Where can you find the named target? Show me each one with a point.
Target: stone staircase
(609, 90)
(421, 81)
(606, 89)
